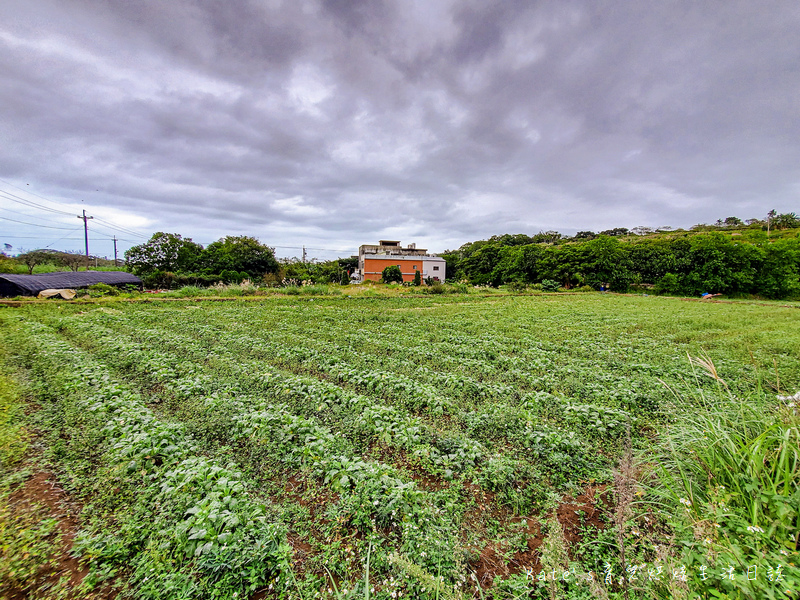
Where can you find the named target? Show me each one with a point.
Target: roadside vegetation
(472, 444)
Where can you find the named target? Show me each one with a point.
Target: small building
(373, 259)
(30, 285)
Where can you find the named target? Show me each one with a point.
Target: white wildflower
(754, 529)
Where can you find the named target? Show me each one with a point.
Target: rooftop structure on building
(373, 259)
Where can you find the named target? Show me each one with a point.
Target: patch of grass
(730, 475)
(13, 435)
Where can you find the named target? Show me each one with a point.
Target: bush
(668, 284)
(7, 264)
(230, 276)
(392, 274)
(417, 278)
(102, 289)
(459, 288)
(550, 285)
(435, 288)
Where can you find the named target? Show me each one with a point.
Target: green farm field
(453, 446)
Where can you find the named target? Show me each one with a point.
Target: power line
(26, 215)
(114, 229)
(120, 228)
(307, 248)
(37, 237)
(105, 236)
(31, 193)
(26, 202)
(33, 224)
(61, 238)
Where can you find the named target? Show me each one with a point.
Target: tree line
(170, 260)
(74, 261)
(740, 259)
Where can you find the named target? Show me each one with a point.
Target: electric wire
(20, 200)
(93, 228)
(15, 198)
(31, 193)
(121, 228)
(33, 224)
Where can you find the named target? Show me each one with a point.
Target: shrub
(550, 285)
(229, 276)
(392, 274)
(435, 288)
(102, 289)
(668, 284)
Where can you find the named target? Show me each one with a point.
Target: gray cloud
(333, 123)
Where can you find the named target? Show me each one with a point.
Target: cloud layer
(333, 123)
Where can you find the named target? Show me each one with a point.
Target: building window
(415, 267)
(435, 268)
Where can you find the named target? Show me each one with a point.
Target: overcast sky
(335, 123)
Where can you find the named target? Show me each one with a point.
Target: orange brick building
(372, 260)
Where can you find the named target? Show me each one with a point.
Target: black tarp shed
(30, 285)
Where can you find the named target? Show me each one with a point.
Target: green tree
(71, 260)
(417, 278)
(719, 265)
(606, 260)
(164, 252)
(668, 284)
(616, 232)
(786, 221)
(733, 222)
(779, 273)
(239, 253)
(479, 266)
(392, 274)
(35, 257)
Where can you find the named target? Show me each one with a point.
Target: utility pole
(86, 234)
(115, 251)
(304, 254)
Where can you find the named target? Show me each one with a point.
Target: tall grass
(730, 473)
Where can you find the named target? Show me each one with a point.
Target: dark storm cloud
(333, 123)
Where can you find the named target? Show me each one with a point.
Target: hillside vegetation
(736, 262)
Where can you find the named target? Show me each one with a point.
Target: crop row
(500, 422)
(180, 516)
(370, 494)
(498, 370)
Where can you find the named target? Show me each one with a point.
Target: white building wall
(428, 269)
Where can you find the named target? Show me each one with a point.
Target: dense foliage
(709, 262)
(164, 252)
(392, 274)
(168, 258)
